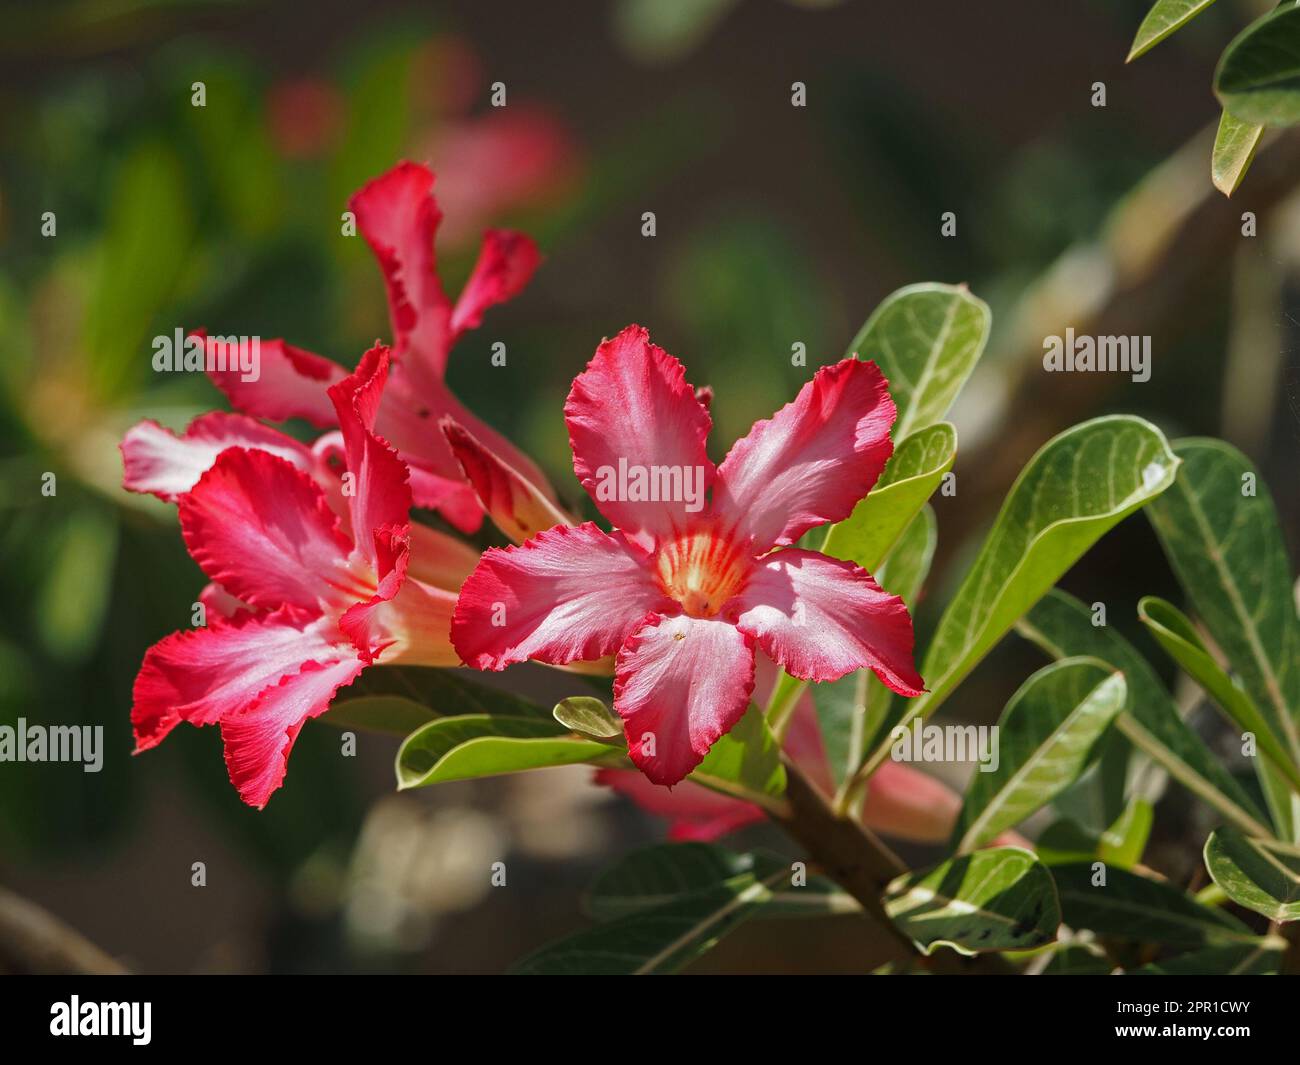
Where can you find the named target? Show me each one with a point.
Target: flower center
(701, 571)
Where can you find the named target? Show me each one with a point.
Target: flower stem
(861, 864)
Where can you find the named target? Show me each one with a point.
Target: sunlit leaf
(1261, 874)
(1258, 77)
(927, 339)
(1234, 150)
(484, 745)
(996, 899)
(1075, 489)
(1047, 734)
(1178, 636)
(911, 477)
(1062, 626)
(1164, 18)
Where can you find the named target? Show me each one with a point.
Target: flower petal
(291, 382)
(379, 496)
(515, 505)
(505, 265)
(812, 461)
(399, 217)
(258, 740)
(158, 461)
(410, 628)
(679, 684)
(820, 618)
(570, 593)
(263, 530)
(202, 675)
(631, 410)
(409, 420)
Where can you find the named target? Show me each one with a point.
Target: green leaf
(76, 591)
(745, 762)
(1178, 636)
(444, 692)
(1234, 150)
(852, 709)
(1125, 841)
(146, 242)
(910, 478)
(658, 940)
(1047, 735)
(1062, 626)
(1220, 531)
(391, 714)
(1259, 957)
(484, 745)
(1260, 874)
(927, 339)
(666, 872)
(1258, 77)
(1137, 908)
(588, 715)
(1165, 18)
(996, 899)
(1076, 488)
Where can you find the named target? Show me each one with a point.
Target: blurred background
(775, 225)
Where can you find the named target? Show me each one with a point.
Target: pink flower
(684, 590)
(301, 600)
(398, 216)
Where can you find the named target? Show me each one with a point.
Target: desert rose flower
(301, 605)
(686, 590)
(399, 217)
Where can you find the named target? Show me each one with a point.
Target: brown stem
(34, 941)
(862, 865)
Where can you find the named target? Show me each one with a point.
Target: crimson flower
(684, 591)
(399, 217)
(302, 598)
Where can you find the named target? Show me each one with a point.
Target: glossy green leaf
(658, 940)
(745, 762)
(1077, 487)
(1258, 957)
(1178, 636)
(927, 339)
(1124, 842)
(1046, 737)
(1062, 626)
(1234, 151)
(1220, 531)
(666, 872)
(911, 477)
(1260, 874)
(852, 709)
(996, 899)
(1258, 77)
(1137, 908)
(1165, 17)
(590, 716)
(484, 745)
